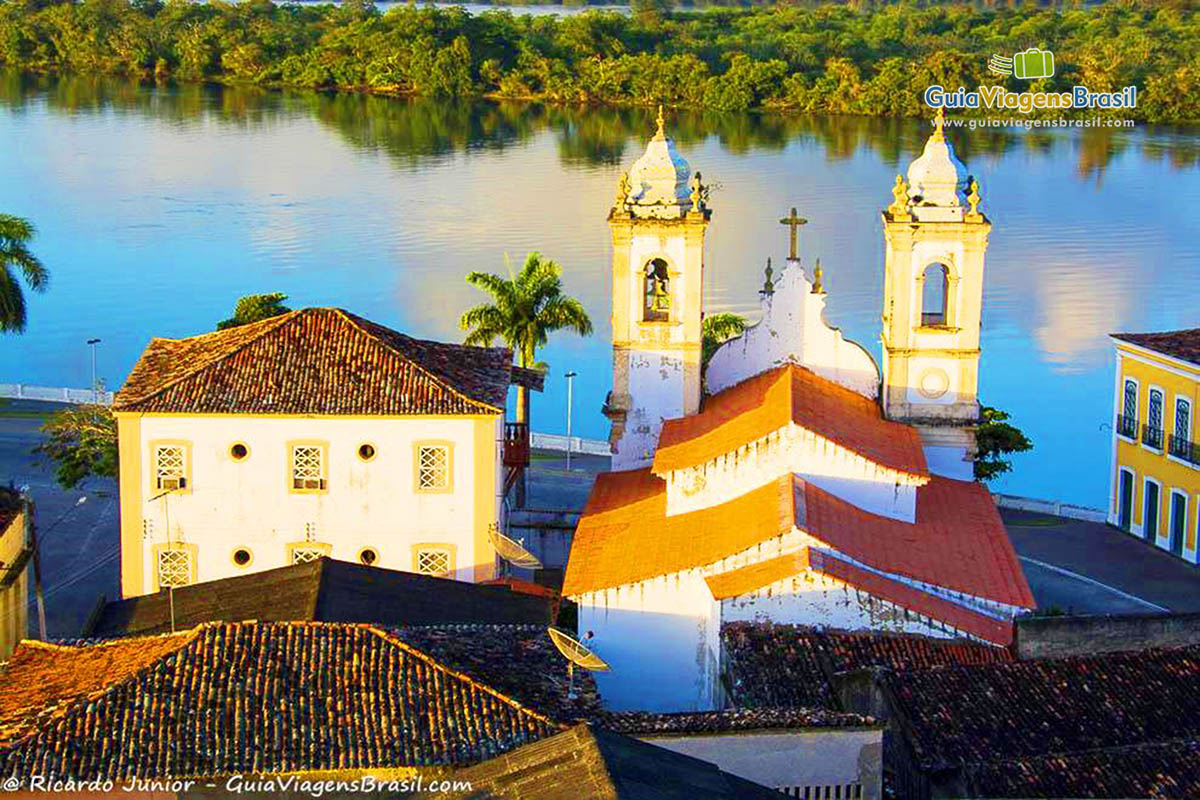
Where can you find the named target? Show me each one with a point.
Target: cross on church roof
(793, 221)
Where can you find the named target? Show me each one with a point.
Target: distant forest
(854, 58)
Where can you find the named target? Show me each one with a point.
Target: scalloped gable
(315, 361)
(793, 330)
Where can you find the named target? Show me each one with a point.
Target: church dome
(937, 177)
(658, 181)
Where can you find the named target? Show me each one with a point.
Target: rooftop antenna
(577, 655)
(512, 551)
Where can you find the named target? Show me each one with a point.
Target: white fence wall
(1051, 507)
(555, 441)
(54, 394)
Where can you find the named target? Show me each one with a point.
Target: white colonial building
(312, 433)
(806, 487)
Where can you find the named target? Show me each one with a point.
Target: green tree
(255, 308)
(527, 307)
(15, 257)
(715, 330)
(82, 440)
(996, 438)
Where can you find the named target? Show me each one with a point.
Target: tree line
(870, 59)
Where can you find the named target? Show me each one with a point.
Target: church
(791, 480)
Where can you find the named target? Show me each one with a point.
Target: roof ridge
(268, 325)
(354, 321)
(395, 640)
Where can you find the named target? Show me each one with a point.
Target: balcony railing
(1127, 426)
(516, 444)
(1152, 437)
(1184, 449)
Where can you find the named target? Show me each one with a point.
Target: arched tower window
(657, 305)
(935, 294)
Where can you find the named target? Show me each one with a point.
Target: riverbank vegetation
(838, 59)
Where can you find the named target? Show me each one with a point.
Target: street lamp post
(95, 385)
(570, 376)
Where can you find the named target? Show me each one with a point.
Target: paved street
(78, 542)
(1114, 560)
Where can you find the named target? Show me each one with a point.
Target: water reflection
(159, 205)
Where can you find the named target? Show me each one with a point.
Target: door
(1178, 522)
(1150, 512)
(1125, 499)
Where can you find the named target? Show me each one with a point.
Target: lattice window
(170, 466)
(1131, 392)
(433, 467)
(308, 466)
(1154, 416)
(1183, 418)
(303, 555)
(434, 561)
(174, 567)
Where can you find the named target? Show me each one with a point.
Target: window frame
(666, 316)
(1183, 528)
(155, 479)
(292, 446)
(325, 549)
(1123, 470)
(448, 446)
(1137, 408)
(156, 550)
(450, 551)
(1162, 419)
(233, 556)
(949, 321)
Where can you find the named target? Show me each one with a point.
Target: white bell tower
(935, 239)
(658, 224)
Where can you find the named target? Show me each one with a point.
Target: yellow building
(15, 552)
(1155, 480)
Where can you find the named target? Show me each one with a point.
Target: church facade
(807, 486)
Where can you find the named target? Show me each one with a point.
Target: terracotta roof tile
(315, 361)
(625, 536)
(765, 403)
(976, 714)
(1184, 344)
(958, 541)
(964, 619)
(773, 666)
(251, 698)
(755, 576)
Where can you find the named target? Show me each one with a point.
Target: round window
(366, 451)
(368, 556)
(241, 557)
(239, 451)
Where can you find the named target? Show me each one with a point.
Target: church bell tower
(935, 239)
(658, 222)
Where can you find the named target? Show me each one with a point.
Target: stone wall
(1055, 637)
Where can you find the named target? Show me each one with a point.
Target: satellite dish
(513, 551)
(577, 655)
(575, 652)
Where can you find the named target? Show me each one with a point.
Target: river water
(158, 207)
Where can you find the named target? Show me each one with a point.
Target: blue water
(157, 208)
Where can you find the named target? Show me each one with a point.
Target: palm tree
(527, 307)
(15, 235)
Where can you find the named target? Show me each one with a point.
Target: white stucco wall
(661, 638)
(656, 388)
(952, 462)
(788, 759)
(793, 330)
(231, 504)
(793, 449)
(814, 599)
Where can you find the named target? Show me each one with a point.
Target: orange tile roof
(765, 403)
(950, 613)
(755, 576)
(958, 541)
(625, 535)
(42, 680)
(315, 361)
